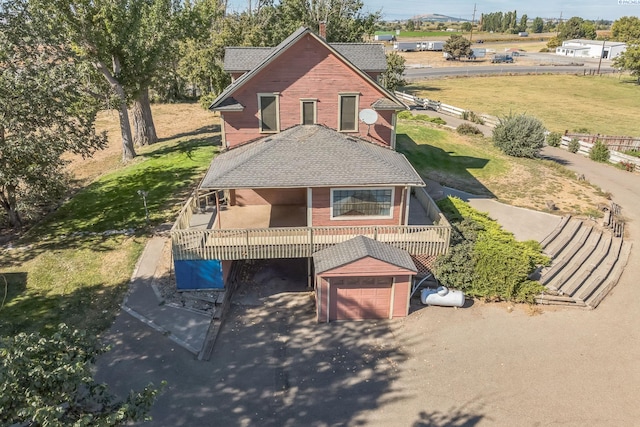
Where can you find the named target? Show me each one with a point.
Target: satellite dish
(368, 116)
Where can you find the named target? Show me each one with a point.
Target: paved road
(413, 74)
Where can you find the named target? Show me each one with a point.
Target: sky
(403, 9)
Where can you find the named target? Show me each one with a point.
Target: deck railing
(301, 242)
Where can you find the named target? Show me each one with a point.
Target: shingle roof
(357, 248)
(366, 56)
(282, 47)
(244, 58)
(230, 104)
(309, 156)
(386, 104)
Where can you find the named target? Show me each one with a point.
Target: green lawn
(446, 157)
(605, 105)
(474, 165)
(62, 273)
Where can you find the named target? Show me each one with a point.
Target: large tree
(538, 25)
(48, 381)
(577, 28)
(393, 77)
(626, 29)
(47, 108)
(630, 60)
(457, 47)
(121, 38)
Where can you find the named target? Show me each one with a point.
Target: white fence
(450, 110)
(614, 156)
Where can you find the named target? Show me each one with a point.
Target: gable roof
(358, 248)
(309, 156)
(254, 55)
(366, 56)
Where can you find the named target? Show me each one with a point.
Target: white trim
(328, 298)
(361, 217)
(406, 209)
(393, 296)
(276, 95)
(394, 120)
(309, 207)
(315, 109)
(223, 133)
(356, 122)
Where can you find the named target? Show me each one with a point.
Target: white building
(590, 49)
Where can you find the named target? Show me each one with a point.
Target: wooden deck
(264, 232)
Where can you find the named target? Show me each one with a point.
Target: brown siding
(270, 196)
(305, 70)
(366, 267)
(402, 288)
(321, 214)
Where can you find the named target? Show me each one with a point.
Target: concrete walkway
(184, 327)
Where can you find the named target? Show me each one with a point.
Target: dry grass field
(607, 105)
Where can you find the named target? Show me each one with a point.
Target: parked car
(497, 59)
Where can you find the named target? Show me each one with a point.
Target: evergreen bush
(574, 145)
(467, 129)
(554, 139)
(519, 135)
(486, 261)
(599, 152)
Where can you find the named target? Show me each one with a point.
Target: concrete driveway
(486, 365)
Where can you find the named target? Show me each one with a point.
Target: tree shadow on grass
(196, 132)
(444, 167)
(90, 307)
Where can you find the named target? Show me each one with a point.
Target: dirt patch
(171, 120)
(536, 188)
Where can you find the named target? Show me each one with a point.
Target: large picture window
(352, 203)
(348, 107)
(268, 105)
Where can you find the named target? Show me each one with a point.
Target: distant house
(591, 49)
(309, 170)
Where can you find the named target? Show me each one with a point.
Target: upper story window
(268, 107)
(348, 112)
(358, 203)
(308, 111)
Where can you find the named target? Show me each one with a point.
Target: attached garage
(362, 279)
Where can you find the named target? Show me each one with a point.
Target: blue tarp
(199, 274)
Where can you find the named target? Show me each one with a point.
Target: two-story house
(309, 170)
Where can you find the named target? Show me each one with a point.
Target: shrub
(519, 135)
(486, 261)
(554, 139)
(472, 117)
(599, 152)
(407, 115)
(634, 153)
(544, 49)
(626, 165)
(467, 129)
(574, 145)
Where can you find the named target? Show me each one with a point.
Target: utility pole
(601, 55)
(559, 23)
(473, 21)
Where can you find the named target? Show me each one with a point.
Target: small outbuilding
(362, 278)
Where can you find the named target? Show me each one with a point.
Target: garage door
(360, 298)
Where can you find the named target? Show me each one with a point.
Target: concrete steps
(586, 264)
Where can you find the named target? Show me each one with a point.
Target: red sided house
(309, 170)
